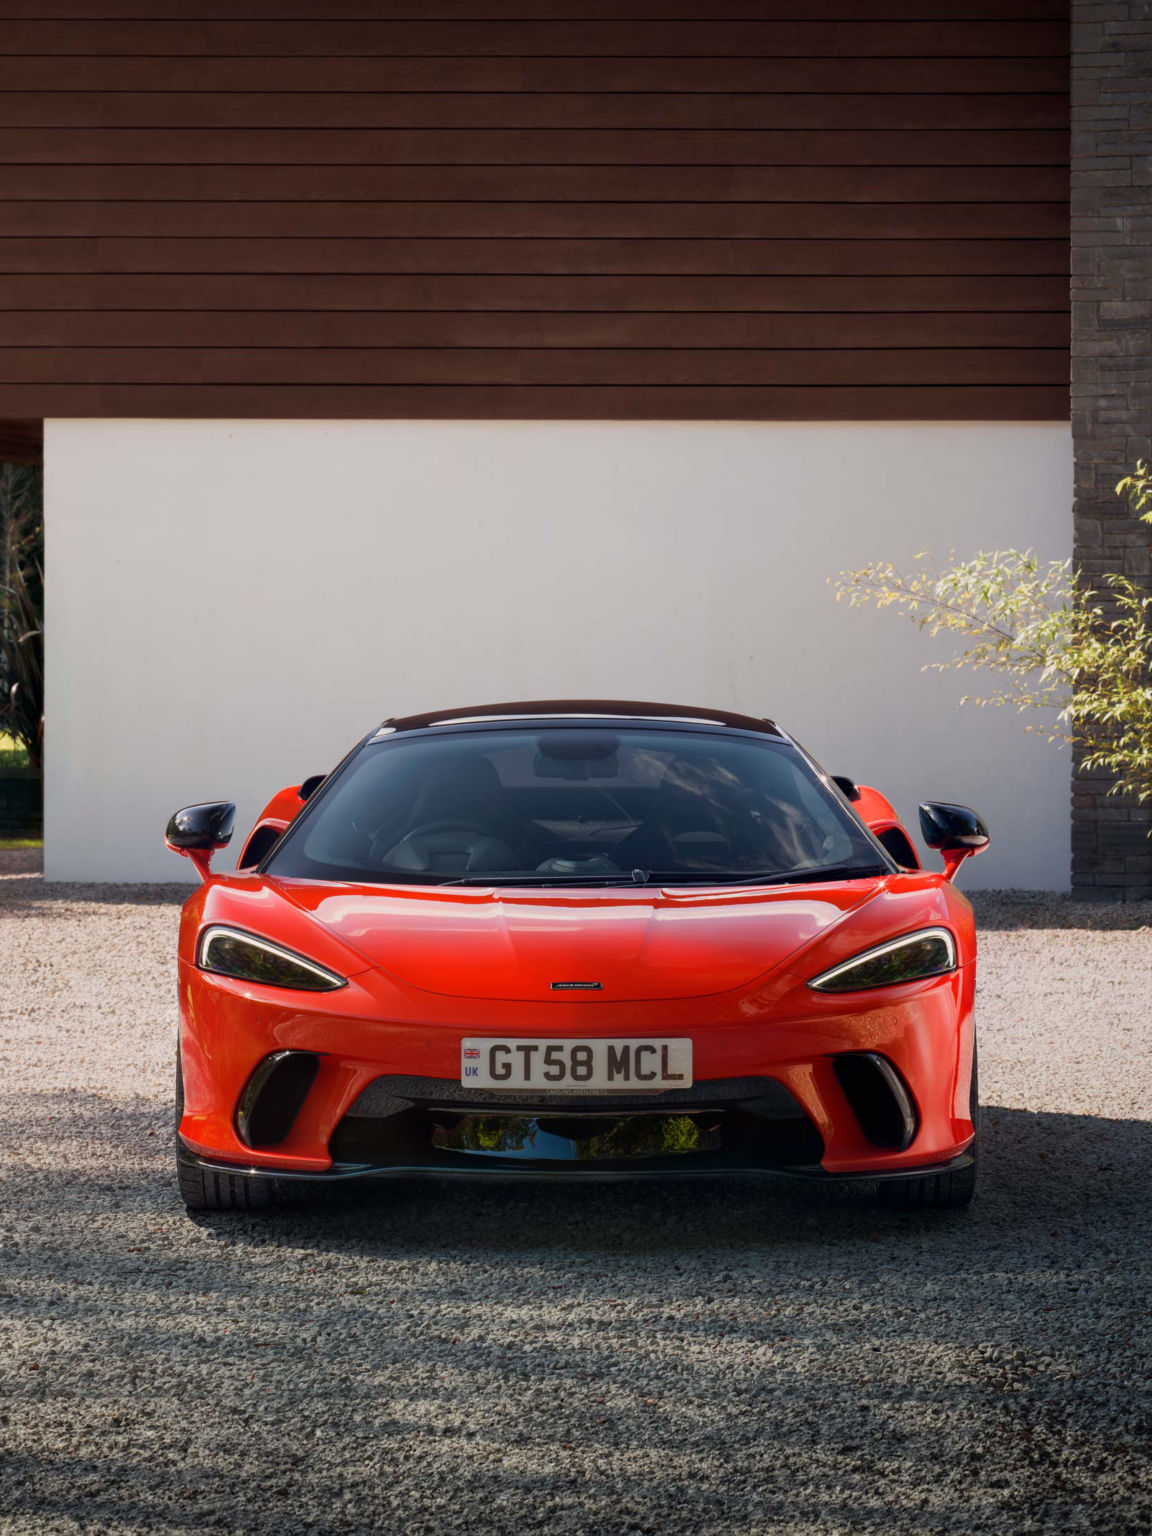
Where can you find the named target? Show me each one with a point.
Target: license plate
(601, 1066)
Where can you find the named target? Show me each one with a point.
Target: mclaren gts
(576, 938)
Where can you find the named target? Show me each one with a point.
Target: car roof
(620, 709)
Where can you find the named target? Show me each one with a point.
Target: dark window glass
(578, 803)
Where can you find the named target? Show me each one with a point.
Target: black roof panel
(625, 709)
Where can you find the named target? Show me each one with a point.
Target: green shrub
(1081, 656)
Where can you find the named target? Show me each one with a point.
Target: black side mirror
(201, 828)
(311, 785)
(955, 831)
(847, 787)
(197, 831)
(953, 828)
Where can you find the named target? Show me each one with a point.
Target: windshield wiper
(808, 876)
(767, 877)
(679, 877)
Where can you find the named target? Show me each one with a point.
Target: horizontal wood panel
(534, 76)
(539, 39)
(511, 365)
(541, 257)
(481, 292)
(534, 184)
(176, 329)
(540, 208)
(535, 402)
(516, 147)
(540, 10)
(894, 223)
(298, 111)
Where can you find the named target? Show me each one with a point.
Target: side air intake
(273, 1096)
(879, 1098)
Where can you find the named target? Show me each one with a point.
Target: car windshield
(575, 804)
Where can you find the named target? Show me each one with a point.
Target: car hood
(518, 944)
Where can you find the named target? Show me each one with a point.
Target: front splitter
(491, 1168)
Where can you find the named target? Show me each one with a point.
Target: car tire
(205, 1189)
(950, 1191)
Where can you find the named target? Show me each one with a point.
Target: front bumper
(374, 1030)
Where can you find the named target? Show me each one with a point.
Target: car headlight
(915, 957)
(229, 952)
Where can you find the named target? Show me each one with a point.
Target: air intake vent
(895, 839)
(274, 1096)
(258, 846)
(879, 1098)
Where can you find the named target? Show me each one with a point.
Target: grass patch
(20, 842)
(12, 754)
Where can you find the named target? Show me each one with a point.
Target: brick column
(1111, 370)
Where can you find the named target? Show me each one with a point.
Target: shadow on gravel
(684, 1356)
(1009, 911)
(1038, 1170)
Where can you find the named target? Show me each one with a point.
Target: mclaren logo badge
(577, 986)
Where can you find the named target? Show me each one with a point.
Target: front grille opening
(394, 1092)
(879, 1099)
(575, 1138)
(273, 1096)
(428, 1122)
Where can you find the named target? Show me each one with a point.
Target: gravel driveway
(703, 1358)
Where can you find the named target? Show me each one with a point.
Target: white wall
(231, 604)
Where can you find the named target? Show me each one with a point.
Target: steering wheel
(415, 850)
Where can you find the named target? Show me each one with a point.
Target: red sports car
(577, 938)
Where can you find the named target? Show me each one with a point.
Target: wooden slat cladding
(514, 365)
(328, 37)
(534, 10)
(539, 77)
(467, 111)
(749, 209)
(918, 225)
(553, 258)
(1020, 184)
(441, 291)
(983, 402)
(774, 330)
(524, 146)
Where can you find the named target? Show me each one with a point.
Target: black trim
(879, 1097)
(623, 709)
(341, 1172)
(261, 841)
(847, 787)
(273, 1096)
(313, 800)
(389, 1093)
(201, 828)
(727, 1125)
(899, 845)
